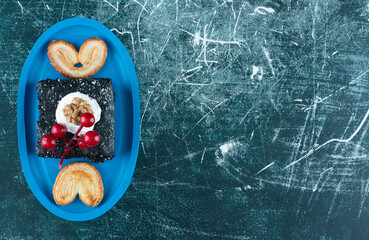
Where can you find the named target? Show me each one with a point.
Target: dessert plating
(50, 92)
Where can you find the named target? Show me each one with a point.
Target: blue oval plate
(116, 174)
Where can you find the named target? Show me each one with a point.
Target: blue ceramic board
(116, 174)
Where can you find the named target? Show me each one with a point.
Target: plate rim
(23, 154)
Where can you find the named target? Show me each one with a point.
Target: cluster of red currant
(89, 139)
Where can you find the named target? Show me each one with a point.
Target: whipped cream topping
(66, 100)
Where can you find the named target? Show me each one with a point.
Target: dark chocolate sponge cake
(49, 92)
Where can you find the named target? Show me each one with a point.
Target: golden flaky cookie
(78, 178)
(64, 56)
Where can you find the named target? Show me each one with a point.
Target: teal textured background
(253, 119)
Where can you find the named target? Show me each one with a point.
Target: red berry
(59, 130)
(48, 142)
(82, 145)
(87, 120)
(91, 138)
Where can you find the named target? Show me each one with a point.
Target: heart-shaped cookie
(78, 178)
(64, 56)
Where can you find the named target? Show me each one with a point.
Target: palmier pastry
(64, 56)
(78, 178)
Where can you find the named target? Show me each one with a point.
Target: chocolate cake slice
(50, 92)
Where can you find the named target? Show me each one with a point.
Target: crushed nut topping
(74, 110)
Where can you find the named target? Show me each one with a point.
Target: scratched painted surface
(253, 115)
